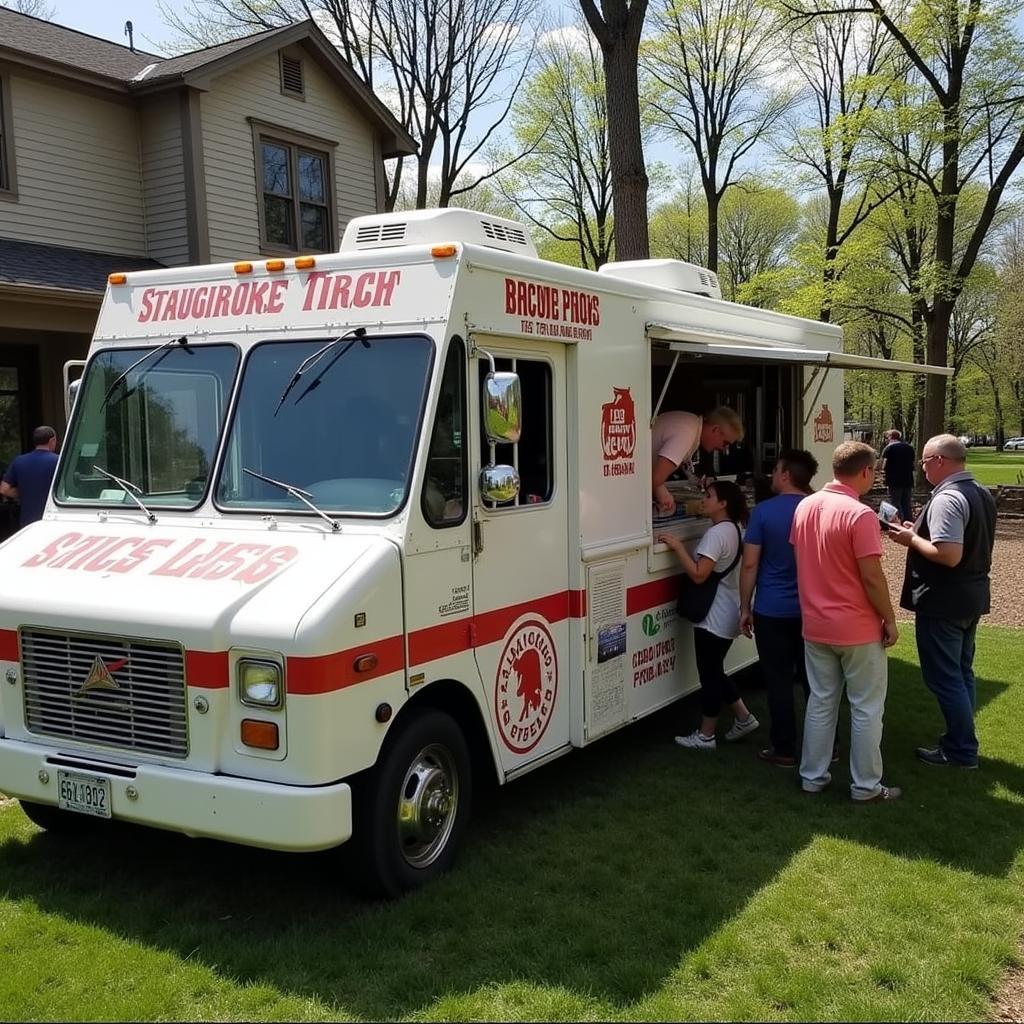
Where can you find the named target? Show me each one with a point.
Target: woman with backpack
(715, 570)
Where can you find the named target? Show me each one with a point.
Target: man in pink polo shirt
(848, 622)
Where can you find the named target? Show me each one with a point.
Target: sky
(106, 18)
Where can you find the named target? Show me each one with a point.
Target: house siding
(77, 161)
(163, 179)
(230, 163)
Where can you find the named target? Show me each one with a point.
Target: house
(112, 159)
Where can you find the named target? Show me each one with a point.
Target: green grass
(991, 467)
(631, 880)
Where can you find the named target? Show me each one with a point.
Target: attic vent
(503, 233)
(291, 76)
(388, 232)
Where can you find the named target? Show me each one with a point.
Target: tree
(617, 29)
(33, 8)
(969, 62)
(713, 67)
(440, 64)
(840, 59)
(679, 228)
(564, 186)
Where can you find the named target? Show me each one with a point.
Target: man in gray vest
(949, 555)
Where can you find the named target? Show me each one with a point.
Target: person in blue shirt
(769, 566)
(29, 476)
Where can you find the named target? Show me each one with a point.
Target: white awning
(681, 339)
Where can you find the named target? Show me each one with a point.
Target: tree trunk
(712, 199)
(625, 150)
(935, 387)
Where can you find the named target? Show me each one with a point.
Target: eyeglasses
(928, 458)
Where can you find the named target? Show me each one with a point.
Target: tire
(61, 823)
(412, 809)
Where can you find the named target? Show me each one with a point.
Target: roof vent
(435, 227)
(291, 76)
(674, 274)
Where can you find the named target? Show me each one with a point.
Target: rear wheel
(58, 822)
(412, 809)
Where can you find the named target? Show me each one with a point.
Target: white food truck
(332, 536)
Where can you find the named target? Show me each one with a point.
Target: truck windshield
(345, 434)
(158, 427)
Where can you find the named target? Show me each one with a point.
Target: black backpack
(695, 599)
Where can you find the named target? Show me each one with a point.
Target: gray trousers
(864, 671)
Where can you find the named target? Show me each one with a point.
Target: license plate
(84, 794)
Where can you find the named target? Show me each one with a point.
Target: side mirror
(503, 407)
(71, 386)
(499, 483)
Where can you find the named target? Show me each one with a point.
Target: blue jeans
(902, 498)
(946, 650)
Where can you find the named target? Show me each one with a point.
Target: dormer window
(292, 83)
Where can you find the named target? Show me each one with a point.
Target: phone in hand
(887, 514)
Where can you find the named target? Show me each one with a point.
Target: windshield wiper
(123, 375)
(128, 487)
(310, 361)
(303, 496)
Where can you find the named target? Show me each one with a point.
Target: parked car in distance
(1014, 444)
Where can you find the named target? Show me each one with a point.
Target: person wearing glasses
(946, 585)
(675, 439)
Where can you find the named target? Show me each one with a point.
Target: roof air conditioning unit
(435, 227)
(675, 274)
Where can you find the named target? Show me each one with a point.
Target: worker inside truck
(763, 397)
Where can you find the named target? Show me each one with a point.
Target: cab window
(445, 482)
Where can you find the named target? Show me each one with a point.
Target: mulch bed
(1007, 574)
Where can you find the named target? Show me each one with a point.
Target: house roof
(55, 266)
(31, 40)
(56, 44)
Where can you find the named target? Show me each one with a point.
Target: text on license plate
(85, 794)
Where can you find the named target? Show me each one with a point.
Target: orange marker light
(243, 268)
(305, 262)
(259, 734)
(365, 663)
(117, 279)
(442, 252)
(275, 264)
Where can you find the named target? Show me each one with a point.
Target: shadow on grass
(596, 874)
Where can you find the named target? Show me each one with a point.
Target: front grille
(145, 713)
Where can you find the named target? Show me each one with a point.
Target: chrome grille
(145, 713)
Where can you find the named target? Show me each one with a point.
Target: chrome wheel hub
(427, 805)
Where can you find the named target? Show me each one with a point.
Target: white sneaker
(697, 741)
(740, 729)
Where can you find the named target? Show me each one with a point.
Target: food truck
(334, 537)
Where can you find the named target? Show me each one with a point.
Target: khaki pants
(864, 671)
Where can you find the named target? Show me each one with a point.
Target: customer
(848, 622)
(898, 464)
(675, 439)
(29, 476)
(949, 557)
(717, 551)
(769, 562)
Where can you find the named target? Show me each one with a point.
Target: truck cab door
(520, 566)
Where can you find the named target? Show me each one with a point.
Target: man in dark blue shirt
(29, 476)
(774, 620)
(898, 462)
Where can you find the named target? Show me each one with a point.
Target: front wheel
(412, 810)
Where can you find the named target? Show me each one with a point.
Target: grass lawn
(632, 880)
(992, 467)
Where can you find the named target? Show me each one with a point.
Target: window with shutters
(296, 190)
(291, 76)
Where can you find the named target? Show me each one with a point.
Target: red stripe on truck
(330, 672)
(9, 645)
(207, 669)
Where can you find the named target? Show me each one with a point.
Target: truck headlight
(259, 683)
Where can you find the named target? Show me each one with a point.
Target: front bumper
(247, 811)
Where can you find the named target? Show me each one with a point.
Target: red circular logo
(526, 686)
